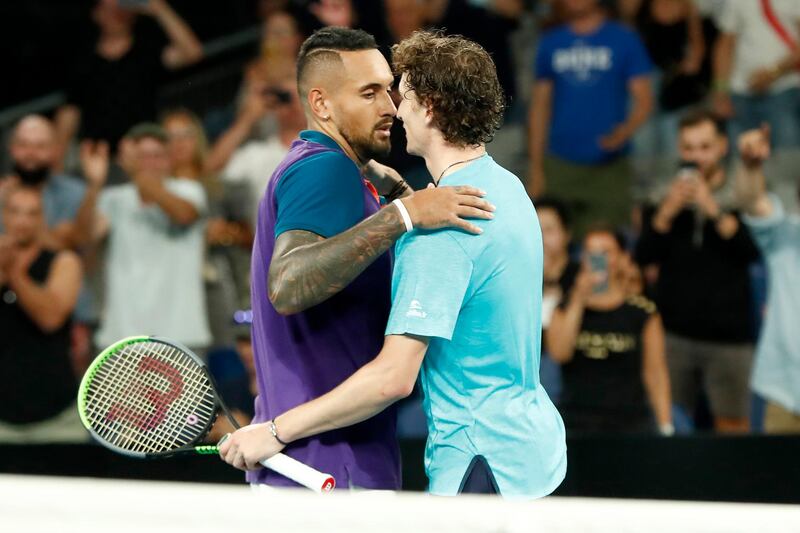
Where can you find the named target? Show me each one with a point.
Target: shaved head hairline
(314, 64)
(335, 58)
(29, 121)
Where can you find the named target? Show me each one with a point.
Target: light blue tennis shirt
(776, 373)
(479, 300)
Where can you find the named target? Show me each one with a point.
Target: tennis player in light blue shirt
(466, 309)
(478, 301)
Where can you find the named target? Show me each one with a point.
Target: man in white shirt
(755, 67)
(155, 250)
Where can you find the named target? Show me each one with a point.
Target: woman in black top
(611, 347)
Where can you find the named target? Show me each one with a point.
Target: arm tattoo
(307, 269)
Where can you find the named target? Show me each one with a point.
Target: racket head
(147, 396)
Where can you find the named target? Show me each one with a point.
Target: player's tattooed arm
(307, 269)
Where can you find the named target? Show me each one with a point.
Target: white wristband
(404, 214)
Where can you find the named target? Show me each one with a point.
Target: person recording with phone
(250, 163)
(694, 235)
(610, 345)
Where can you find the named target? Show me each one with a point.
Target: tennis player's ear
(318, 103)
(428, 115)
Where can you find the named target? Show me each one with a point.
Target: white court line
(68, 505)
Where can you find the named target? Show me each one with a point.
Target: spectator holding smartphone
(695, 237)
(611, 347)
(252, 163)
(776, 376)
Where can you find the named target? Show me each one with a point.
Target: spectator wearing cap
(154, 228)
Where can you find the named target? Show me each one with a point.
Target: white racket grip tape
(300, 473)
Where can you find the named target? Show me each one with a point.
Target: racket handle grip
(300, 473)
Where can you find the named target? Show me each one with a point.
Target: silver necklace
(448, 167)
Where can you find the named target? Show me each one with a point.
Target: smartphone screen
(688, 170)
(598, 264)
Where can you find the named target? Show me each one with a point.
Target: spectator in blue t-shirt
(592, 92)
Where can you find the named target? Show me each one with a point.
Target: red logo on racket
(159, 400)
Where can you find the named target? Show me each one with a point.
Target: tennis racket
(150, 397)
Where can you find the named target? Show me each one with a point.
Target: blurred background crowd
(659, 140)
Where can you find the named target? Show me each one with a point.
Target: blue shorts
(478, 479)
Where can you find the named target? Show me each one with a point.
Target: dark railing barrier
(710, 468)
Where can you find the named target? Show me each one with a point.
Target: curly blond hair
(457, 78)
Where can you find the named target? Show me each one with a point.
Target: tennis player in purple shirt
(321, 277)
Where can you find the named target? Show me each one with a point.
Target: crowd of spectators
(659, 141)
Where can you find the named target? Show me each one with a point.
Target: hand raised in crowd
(256, 104)
(762, 79)
(704, 199)
(95, 162)
(722, 105)
(583, 287)
(614, 140)
(21, 261)
(754, 146)
(447, 207)
(691, 64)
(681, 193)
(149, 8)
(6, 184)
(148, 183)
(333, 12)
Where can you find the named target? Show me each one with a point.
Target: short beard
(25, 242)
(367, 148)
